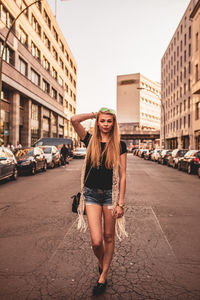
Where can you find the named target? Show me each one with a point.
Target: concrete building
(176, 81)
(39, 75)
(138, 102)
(195, 16)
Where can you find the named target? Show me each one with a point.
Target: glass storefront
(4, 117)
(35, 134)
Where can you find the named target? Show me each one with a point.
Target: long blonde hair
(111, 150)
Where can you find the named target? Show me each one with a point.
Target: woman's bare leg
(94, 216)
(109, 241)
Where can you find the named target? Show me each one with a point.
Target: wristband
(121, 205)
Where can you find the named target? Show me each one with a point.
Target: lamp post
(4, 46)
(163, 107)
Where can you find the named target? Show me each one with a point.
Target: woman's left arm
(122, 178)
(119, 211)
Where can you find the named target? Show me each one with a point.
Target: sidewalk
(144, 267)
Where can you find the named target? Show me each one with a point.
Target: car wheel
(33, 170)
(189, 169)
(45, 167)
(179, 166)
(162, 161)
(52, 164)
(198, 172)
(59, 163)
(15, 174)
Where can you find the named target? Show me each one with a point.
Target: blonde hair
(111, 150)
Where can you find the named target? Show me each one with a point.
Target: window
(176, 124)
(71, 63)
(23, 6)
(39, 6)
(181, 61)
(60, 99)
(23, 67)
(66, 55)
(184, 72)
(54, 74)
(46, 41)
(185, 39)
(189, 67)
(181, 45)
(189, 33)
(184, 105)
(45, 86)
(184, 88)
(55, 54)
(74, 83)
(196, 72)
(60, 80)
(22, 36)
(47, 19)
(197, 42)
(180, 123)
(54, 93)
(188, 121)
(55, 34)
(71, 77)
(66, 88)
(74, 97)
(36, 25)
(180, 108)
(35, 51)
(66, 71)
(188, 102)
(184, 121)
(34, 112)
(74, 70)
(61, 63)
(185, 55)
(46, 64)
(6, 17)
(188, 84)
(61, 45)
(197, 111)
(189, 50)
(35, 77)
(70, 107)
(180, 91)
(9, 54)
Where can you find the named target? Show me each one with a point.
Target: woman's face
(105, 122)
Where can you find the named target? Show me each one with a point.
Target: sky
(115, 37)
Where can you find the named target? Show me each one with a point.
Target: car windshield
(47, 150)
(81, 150)
(181, 153)
(24, 152)
(190, 153)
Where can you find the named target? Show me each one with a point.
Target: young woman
(104, 181)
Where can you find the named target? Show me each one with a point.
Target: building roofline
(193, 13)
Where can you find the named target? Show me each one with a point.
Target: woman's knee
(108, 237)
(96, 244)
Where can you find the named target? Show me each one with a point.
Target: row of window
(178, 124)
(178, 109)
(36, 79)
(170, 76)
(179, 93)
(149, 88)
(170, 102)
(150, 102)
(152, 117)
(23, 37)
(171, 69)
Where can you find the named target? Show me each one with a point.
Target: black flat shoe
(100, 270)
(99, 288)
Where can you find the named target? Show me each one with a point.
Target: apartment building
(176, 81)
(39, 75)
(195, 17)
(138, 102)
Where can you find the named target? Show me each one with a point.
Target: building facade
(195, 16)
(138, 102)
(39, 75)
(177, 123)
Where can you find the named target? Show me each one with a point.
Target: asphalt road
(42, 256)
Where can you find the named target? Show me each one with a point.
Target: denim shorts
(97, 196)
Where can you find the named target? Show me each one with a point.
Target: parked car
(163, 156)
(147, 154)
(197, 162)
(79, 153)
(155, 153)
(175, 156)
(190, 161)
(8, 164)
(58, 142)
(52, 156)
(30, 159)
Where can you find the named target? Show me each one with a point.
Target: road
(42, 256)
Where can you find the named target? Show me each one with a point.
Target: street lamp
(142, 88)
(4, 46)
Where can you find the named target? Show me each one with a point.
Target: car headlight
(26, 162)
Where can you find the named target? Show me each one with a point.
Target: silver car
(52, 156)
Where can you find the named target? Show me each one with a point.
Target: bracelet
(121, 205)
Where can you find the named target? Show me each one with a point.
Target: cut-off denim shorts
(97, 196)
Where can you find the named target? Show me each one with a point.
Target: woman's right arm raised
(76, 122)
